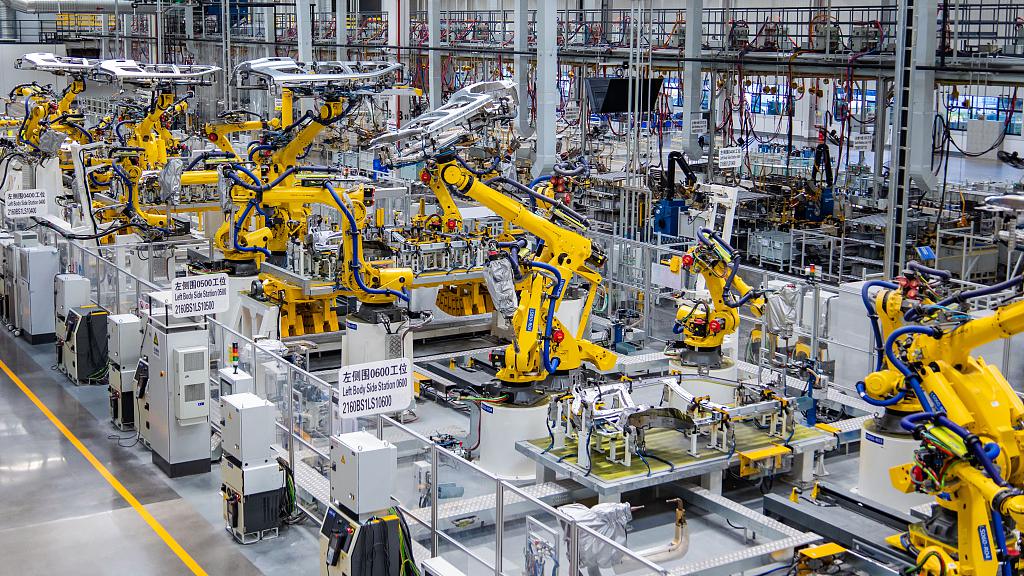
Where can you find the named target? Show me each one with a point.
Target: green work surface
(670, 446)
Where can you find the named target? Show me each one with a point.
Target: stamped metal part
(152, 75)
(48, 62)
(280, 72)
(444, 127)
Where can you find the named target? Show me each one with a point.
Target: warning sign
(731, 157)
(699, 126)
(373, 388)
(25, 203)
(199, 295)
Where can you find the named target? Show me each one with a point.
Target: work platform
(610, 479)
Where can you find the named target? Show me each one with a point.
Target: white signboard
(698, 126)
(731, 157)
(25, 203)
(861, 142)
(663, 276)
(199, 295)
(373, 388)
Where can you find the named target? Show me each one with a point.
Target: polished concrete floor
(58, 515)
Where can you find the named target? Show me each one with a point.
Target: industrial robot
(529, 277)
(967, 421)
(703, 325)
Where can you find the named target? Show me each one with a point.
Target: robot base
(720, 392)
(880, 451)
(501, 426)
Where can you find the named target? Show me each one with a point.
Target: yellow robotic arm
(542, 344)
(971, 428)
(703, 326)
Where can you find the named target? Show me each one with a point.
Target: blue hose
(254, 149)
(538, 180)
(985, 291)
(479, 173)
(205, 155)
(714, 235)
(21, 131)
(999, 533)
(355, 265)
(876, 330)
(909, 374)
(863, 393)
(117, 131)
(238, 226)
(81, 129)
(921, 268)
(274, 182)
(551, 364)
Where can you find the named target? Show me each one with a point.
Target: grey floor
(59, 516)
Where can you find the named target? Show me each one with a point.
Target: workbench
(610, 479)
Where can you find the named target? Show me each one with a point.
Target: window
(767, 99)
(993, 108)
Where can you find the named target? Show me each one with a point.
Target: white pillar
(692, 78)
(304, 29)
(341, 28)
(547, 86)
(521, 69)
(434, 55)
(398, 35)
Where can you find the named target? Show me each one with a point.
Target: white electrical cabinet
(124, 346)
(247, 428)
(124, 339)
(72, 291)
(173, 390)
(38, 266)
(363, 470)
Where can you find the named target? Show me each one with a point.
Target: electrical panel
(191, 384)
(247, 428)
(124, 339)
(363, 470)
(72, 291)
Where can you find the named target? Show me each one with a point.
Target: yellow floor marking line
(109, 477)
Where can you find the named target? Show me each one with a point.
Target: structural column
(692, 81)
(434, 55)
(911, 123)
(546, 87)
(341, 28)
(398, 37)
(304, 29)
(522, 63)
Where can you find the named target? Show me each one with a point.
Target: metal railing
(305, 424)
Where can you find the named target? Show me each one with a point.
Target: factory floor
(60, 515)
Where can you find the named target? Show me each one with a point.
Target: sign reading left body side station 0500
(373, 388)
(199, 295)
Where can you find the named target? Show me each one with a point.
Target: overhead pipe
(88, 6)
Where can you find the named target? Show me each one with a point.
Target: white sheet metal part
(48, 62)
(151, 75)
(281, 72)
(444, 127)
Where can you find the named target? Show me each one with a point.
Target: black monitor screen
(611, 95)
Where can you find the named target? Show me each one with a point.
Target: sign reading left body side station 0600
(373, 388)
(199, 295)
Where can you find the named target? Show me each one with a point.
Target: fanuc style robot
(703, 325)
(967, 417)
